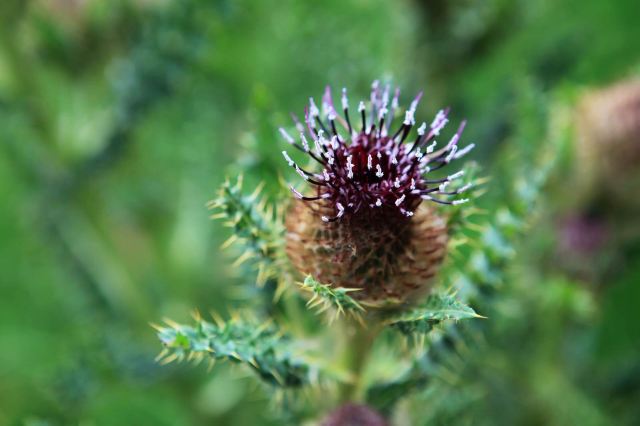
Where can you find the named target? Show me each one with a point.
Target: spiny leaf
(326, 297)
(492, 247)
(256, 225)
(261, 346)
(384, 395)
(447, 348)
(437, 309)
(480, 270)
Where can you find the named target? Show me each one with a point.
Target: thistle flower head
(370, 162)
(608, 148)
(362, 222)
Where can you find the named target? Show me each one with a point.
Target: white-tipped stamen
(345, 101)
(334, 142)
(462, 201)
(456, 175)
(305, 143)
(437, 119)
(396, 183)
(449, 157)
(454, 140)
(413, 184)
(288, 159)
(385, 96)
(422, 129)
(325, 175)
(310, 121)
(369, 162)
(408, 118)
(464, 151)
(443, 186)
(379, 171)
(464, 188)
(406, 212)
(325, 219)
(439, 122)
(286, 136)
(318, 147)
(326, 106)
(414, 103)
(340, 209)
(431, 147)
(361, 106)
(374, 94)
(313, 109)
(297, 194)
(321, 137)
(378, 202)
(300, 172)
(350, 167)
(400, 200)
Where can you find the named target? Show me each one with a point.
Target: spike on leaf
(326, 297)
(437, 309)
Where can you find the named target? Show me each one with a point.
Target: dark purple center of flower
(373, 168)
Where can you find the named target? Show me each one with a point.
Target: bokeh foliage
(119, 120)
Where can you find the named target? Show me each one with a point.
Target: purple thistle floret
(375, 167)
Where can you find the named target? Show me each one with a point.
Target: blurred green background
(119, 119)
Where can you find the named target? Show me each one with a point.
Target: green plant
(394, 244)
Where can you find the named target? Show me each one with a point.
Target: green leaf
(260, 346)
(256, 226)
(437, 309)
(327, 297)
(385, 395)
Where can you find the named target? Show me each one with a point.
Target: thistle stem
(358, 342)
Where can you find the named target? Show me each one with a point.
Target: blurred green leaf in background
(120, 120)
